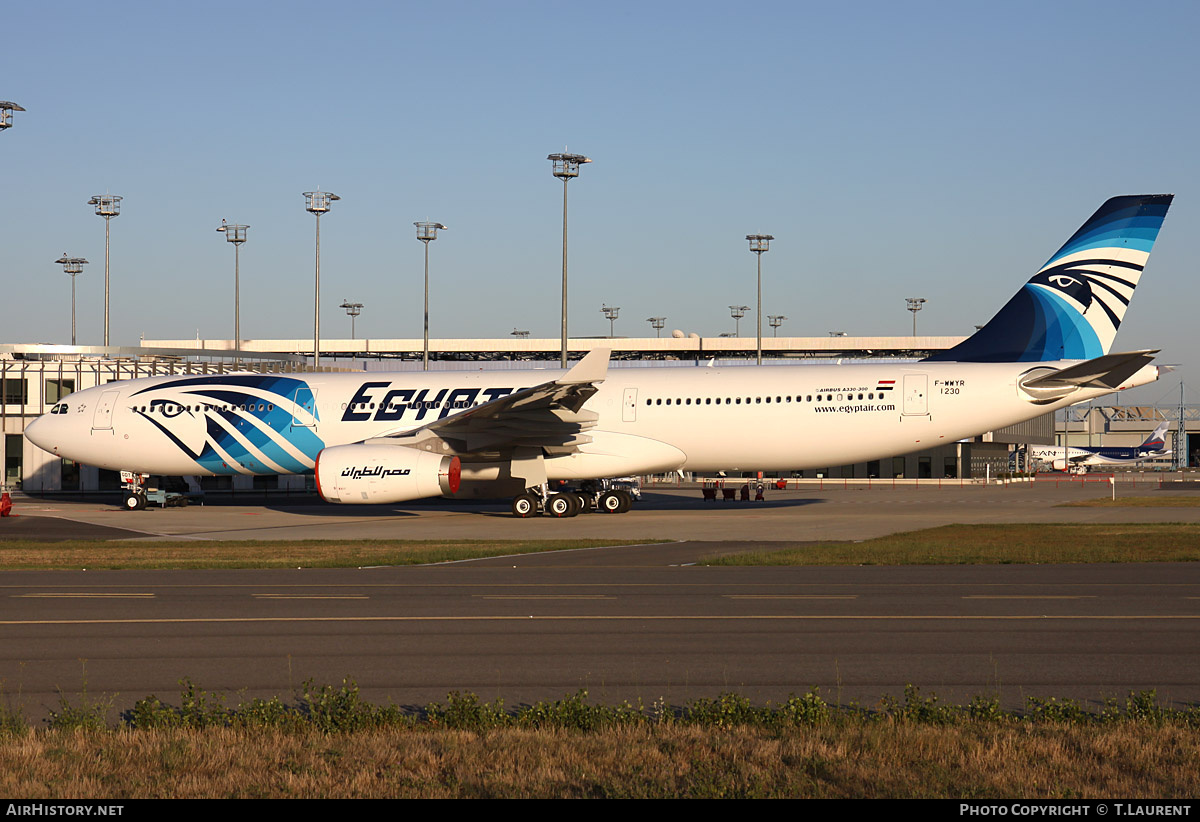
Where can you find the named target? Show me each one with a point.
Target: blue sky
(942, 150)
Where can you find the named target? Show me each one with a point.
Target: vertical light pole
(737, 312)
(914, 305)
(6, 112)
(353, 309)
(318, 203)
(107, 206)
(566, 166)
(657, 323)
(611, 312)
(236, 234)
(775, 320)
(74, 267)
(758, 244)
(427, 232)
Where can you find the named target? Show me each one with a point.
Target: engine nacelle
(366, 474)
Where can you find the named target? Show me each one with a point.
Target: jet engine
(367, 474)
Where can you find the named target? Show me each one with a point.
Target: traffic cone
(6, 505)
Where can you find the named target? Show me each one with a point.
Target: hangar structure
(33, 377)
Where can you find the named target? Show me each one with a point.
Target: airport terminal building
(34, 377)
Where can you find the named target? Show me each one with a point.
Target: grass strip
(1038, 543)
(330, 743)
(168, 554)
(1164, 501)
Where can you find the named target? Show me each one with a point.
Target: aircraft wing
(549, 417)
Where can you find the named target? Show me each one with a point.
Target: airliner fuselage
(646, 419)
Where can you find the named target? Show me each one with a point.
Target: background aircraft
(1080, 459)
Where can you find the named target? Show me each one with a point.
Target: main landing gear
(592, 496)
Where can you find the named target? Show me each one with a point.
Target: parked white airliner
(1078, 459)
(382, 438)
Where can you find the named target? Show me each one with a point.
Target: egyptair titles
(379, 402)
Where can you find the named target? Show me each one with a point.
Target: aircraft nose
(38, 432)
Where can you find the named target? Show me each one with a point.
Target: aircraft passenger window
(839, 397)
(270, 407)
(668, 400)
(789, 398)
(647, 402)
(818, 397)
(658, 402)
(780, 399)
(768, 399)
(343, 406)
(739, 400)
(829, 398)
(708, 400)
(757, 400)
(689, 401)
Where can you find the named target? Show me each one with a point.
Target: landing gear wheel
(610, 503)
(525, 505)
(585, 503)
(135, 501)
(562, 505)
(626, 501)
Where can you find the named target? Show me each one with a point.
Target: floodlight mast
(318, 203)
(611, 312)
(759, 243)
(915, 304)
(353, 310)
(737, 312)
(107, 206)
(566, 167)
(657, 324)
(6, 112)
(775, 321)
(74, 267)
(426, 233)
(236, 234)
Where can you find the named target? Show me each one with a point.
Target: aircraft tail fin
(1157, 441)
(1072, 307)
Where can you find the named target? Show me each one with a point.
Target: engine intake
(366, 474)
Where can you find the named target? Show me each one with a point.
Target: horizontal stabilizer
(1109, 371)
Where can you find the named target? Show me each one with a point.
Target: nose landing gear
(135, 490)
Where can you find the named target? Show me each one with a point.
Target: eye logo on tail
(1071, 309)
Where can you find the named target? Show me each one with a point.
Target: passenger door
(629, 405)
(916, 395)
